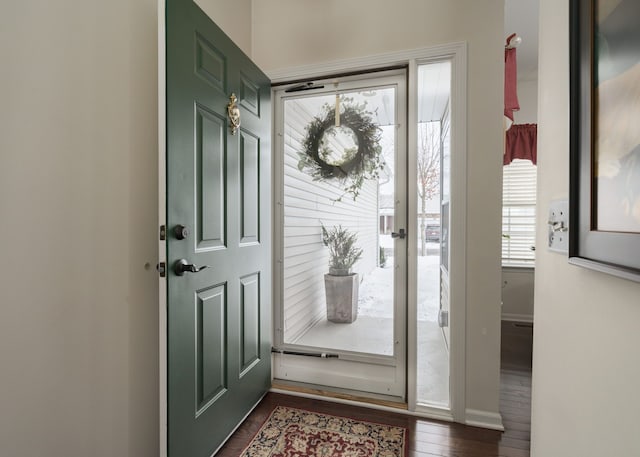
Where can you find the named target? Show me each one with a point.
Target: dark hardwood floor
(428, 438)
(515, 381)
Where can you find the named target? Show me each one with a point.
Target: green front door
(218, 217)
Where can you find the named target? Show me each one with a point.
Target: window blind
(518, 213)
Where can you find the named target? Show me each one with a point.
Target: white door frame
(457, 54)
(383, 374)
(162, 218)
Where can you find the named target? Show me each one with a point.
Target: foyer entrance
(366, 354)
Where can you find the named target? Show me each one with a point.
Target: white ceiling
(521, 17)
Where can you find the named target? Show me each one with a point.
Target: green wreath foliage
(358, 164)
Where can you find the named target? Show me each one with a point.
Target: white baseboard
(484, 419)
(517, 317)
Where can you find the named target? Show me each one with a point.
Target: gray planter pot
(342, 297)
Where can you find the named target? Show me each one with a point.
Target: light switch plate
(558, 226)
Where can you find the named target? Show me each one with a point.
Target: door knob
(401, 234)
(182, 266)
(181, 232)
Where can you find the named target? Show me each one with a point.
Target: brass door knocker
(234, 113)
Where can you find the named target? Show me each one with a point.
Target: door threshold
(339, 395)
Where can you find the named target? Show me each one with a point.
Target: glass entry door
(340, 244)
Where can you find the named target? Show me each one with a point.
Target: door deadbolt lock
(181, 232)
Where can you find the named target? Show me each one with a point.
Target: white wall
(518, 283)
(78, 204)
(586, 364)
(528, 99)
(517, 294)
(296, 32)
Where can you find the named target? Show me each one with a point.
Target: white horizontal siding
(308, 204)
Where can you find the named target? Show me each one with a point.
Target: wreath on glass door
(350, 165)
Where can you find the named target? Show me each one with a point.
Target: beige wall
(78, 204)
(78, 180)
(333, 30)
(586, 365)
(234, 17)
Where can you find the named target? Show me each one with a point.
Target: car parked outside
(432, 232)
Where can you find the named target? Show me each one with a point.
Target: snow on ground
(372, 332)
(376, 289)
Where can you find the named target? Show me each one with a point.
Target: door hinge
(163, 233)
(162, 269)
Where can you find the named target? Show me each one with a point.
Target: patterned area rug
(290, 432)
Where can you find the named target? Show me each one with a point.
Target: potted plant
(341, 284)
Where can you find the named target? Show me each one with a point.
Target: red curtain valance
(521, 143)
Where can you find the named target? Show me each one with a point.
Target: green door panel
(218, 186)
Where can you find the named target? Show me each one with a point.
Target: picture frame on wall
(604, 194)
